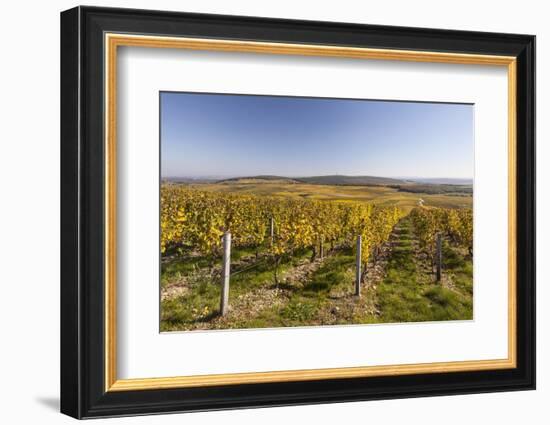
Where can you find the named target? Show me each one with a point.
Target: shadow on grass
(284, 286)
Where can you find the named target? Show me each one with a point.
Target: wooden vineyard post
(271, 230)
(438, 257)
(358, 267)
(226, 266)
(321, 248)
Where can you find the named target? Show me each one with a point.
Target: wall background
(29, 224)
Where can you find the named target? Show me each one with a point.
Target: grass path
(409, 293)
(326, 297)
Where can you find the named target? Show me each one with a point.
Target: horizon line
(229, 176)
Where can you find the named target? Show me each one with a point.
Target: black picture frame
(83, 392)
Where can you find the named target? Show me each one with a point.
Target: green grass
(307, 304)
(460, 267)
(405, 295)
(201, 303)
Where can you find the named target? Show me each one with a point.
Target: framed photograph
(261, 212)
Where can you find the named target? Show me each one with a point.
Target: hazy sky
(240, 135)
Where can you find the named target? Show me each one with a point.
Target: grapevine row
(456, 224)
(197, 220)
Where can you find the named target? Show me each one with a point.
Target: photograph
(279, 211)
(274, 210)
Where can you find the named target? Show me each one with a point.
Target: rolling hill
(325, 180)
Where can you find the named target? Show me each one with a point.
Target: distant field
(380, 195)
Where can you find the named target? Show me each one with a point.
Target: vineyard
(232, 260)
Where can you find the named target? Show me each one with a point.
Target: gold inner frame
(113, 41)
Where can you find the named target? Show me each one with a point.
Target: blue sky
(205, 135)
